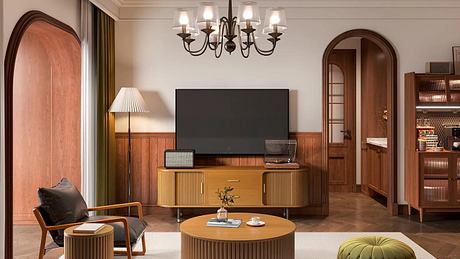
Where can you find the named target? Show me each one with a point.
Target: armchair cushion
(61, 204)
(136, 229)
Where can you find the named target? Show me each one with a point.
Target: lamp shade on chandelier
(229, 32)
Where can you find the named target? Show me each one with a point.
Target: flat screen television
(230, 121)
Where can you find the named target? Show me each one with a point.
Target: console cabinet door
(276, 189)
(247, 186)
(189, 188)
(285, 189)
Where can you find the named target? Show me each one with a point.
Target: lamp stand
(129, 162)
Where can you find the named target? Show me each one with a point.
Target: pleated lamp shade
(128, 99)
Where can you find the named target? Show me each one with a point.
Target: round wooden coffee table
(275, 240)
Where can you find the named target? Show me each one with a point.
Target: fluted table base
(277, 248)
(89, 246)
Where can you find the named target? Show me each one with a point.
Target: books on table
(230, 223)
(88, 228)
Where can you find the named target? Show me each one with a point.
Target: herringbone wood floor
(349, 212)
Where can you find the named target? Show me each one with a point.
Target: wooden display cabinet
(432, 179)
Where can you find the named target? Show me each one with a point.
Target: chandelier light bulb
(248, 13)
(183, 18)
(208, 13)
(275, 18)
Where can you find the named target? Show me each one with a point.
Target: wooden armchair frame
(129, 253)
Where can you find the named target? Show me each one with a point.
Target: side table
(95, 246)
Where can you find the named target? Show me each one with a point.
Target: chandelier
(244, 28)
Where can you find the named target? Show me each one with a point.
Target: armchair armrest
(111, 220)
(119, 206)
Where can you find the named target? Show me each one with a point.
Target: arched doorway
(391, 86)
(42, 114)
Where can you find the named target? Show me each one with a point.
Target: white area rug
(308, 245)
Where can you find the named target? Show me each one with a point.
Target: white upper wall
(150, 56)
(67, 11)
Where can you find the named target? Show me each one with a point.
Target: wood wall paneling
(148, 154)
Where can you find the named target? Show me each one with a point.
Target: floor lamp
(128, 100)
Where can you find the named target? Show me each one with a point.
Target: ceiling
(296, 3)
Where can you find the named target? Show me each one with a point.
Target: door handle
(346, 134)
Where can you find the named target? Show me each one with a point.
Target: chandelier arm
(241, 41)
(200, 51)
(261, 51)
(222, 28)
(243, 50)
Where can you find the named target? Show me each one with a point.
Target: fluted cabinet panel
(277, 188)
(288, 189)
(189, 188)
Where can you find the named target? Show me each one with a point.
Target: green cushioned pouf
(375, 248)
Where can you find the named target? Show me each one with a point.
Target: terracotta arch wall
(46, 114)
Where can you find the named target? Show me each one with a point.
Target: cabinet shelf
(436, 177)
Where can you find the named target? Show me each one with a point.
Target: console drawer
(248, 186)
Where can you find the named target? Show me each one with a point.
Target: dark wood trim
(403, 209)
(10, 60)
(392, 88)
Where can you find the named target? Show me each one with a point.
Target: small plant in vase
(226, 199)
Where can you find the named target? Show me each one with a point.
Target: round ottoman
(375, 247)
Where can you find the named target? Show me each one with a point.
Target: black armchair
(62, 206)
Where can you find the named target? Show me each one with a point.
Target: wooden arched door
(391, 88)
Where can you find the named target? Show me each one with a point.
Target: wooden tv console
(256, 186)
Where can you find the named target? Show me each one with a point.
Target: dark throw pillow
(61, 204)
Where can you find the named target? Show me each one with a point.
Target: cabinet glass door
(431, 91)
(435, 172)
(454, 90)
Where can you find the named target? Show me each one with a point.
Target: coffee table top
(274, 227)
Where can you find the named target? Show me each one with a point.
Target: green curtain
(105, 73)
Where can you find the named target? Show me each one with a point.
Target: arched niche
(42, 113)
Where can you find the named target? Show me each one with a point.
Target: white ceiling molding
(297, 3)
(155, 13)
(110, 7)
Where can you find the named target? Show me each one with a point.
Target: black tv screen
(230, 121)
